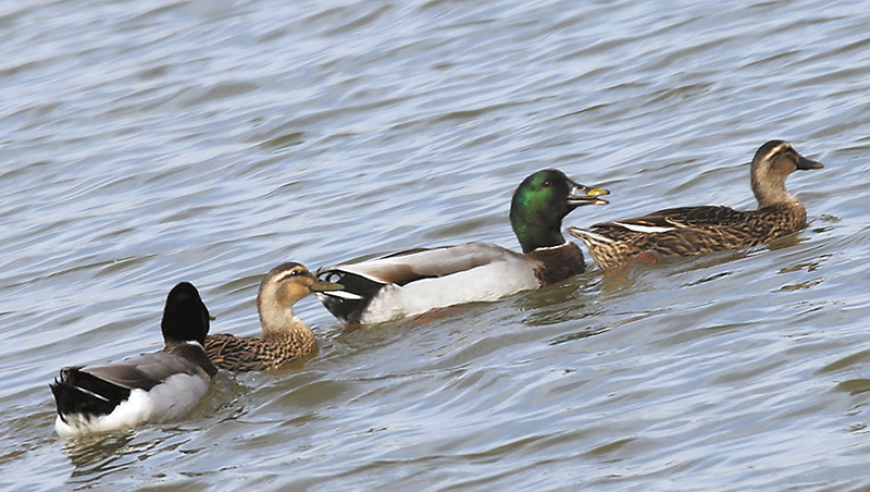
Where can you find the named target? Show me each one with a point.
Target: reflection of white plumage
(416, 281)
(151, 387)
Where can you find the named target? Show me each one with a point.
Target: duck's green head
(541, 202)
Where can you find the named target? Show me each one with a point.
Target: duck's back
(233, 353)
(689, 231)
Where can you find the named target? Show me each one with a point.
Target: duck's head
(541, 202)
(185, 317)
(286, 284)
(772, 164)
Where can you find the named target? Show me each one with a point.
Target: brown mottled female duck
(691, 231)
(285, 337)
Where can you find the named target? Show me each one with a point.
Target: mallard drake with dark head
(691, 231)
(152, 387)
(413, 282)
(285, 336)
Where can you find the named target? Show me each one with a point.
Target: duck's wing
(676, 218)
(409, 266)
(241, 354)
(234, 353)
(147, 370)
(142, 372)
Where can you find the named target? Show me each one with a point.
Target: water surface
(151, 142)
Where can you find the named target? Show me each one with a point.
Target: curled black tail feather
(339, 304)
(77, 392)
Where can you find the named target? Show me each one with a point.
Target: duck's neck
(788, 202)
(771, 190)
(779, 197)
(533, 235)
(280, 322)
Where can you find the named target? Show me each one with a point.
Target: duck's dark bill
(584, 195)
(321, 286)
(805, 164)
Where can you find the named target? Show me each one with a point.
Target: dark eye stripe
(290, 274)
(777, 151)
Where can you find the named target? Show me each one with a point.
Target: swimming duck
(690, 231)
(285, 337)
(413, 282)
(150, 387)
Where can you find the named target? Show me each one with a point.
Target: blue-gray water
(144, 143)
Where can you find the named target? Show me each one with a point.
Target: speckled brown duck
(285, 336)
(689, 231)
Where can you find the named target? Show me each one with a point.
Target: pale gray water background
(145, 143)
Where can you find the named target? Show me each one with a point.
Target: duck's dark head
(541, 202)
(772, 164)
(185, 317)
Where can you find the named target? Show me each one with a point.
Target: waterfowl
(691, 231)
(413, 282)
(285, 337)
(152, 387)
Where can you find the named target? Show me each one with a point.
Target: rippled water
(144, 143)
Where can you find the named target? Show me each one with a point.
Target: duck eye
(547, 183)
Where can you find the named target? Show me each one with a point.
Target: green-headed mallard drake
(413, 282)
(285, 337)
(690, 231)
(150, 387)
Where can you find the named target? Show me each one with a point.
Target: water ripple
(168, 140)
